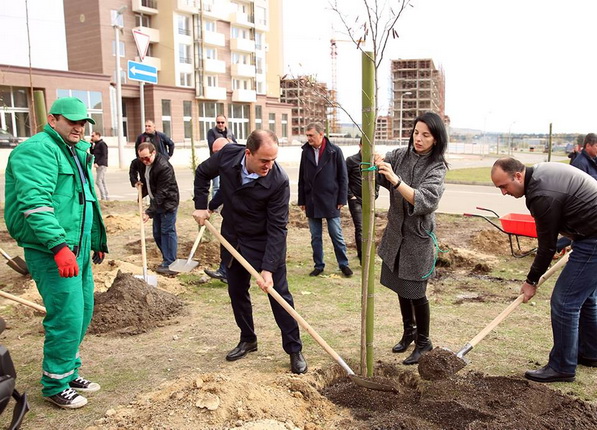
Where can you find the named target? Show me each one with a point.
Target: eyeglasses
(220, 122)
(148, 159)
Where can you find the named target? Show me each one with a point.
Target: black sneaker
(67, 399)
(82, 384)
(216, 274)
(316, 272)
(346, 271)
(165, 270)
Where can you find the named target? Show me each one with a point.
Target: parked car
(7, 140)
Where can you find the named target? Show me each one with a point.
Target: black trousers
(356, 212)
(239, 282)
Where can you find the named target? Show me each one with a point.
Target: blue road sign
(142, 72)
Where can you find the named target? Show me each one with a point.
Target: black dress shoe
(587, 362)
(316, 272)
(216, 274)
(346, 271)
(242, 349)
(547, 374)
(298, 364)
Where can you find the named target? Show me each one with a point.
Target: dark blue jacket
(255, 215)
(586, 164)
(324, 186)
(163, 144)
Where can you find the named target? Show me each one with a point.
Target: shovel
(457, 362)
(187, 265)
(363, 382)
(16, 263)
(151, 280)
(23, 301)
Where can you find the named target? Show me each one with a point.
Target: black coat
(163, 144)
(255, 215)
(355, 181)
(213, 134)
(162, 181)
(322, 187)
(100, 152)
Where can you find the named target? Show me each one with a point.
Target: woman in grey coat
(415, 178)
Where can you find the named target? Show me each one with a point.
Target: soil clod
(439, 363)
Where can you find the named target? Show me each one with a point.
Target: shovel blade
(19, 265)
(373, 385)
(181, 265)
(150, 280)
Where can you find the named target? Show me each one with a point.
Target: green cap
(71, 108)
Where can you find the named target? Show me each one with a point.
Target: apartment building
(212, 57)
(417, 87)
(309, 100)
(383, 127)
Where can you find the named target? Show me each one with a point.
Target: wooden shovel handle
(23, 301)
(474, 341)
(293, 313)
(196, 244)
(143, 251)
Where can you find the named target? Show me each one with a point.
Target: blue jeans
(574, 309)
(335, 231)
(215, 186)
(164, 234)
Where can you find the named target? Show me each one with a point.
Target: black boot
(410, 328)
(423, 343)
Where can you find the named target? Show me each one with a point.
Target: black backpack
(8, 376)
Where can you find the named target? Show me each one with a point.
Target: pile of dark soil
(469, 401)
(439, 364)
(131, 306)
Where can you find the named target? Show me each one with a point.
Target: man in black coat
(256, 192)
(220, 130)
(156, 174)
(99, 149)
(162, 143)
(322, 191)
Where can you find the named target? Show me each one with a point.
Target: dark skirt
(403, 287)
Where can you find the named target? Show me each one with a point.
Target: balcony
(245, 96)
(214, 39)
(214, 66)
(242, 70)
(214, 93)
(146, 7)
(153, 61)
(242, 19)
(218, 10)
(154, 34)
(243, 45)
(189, 6)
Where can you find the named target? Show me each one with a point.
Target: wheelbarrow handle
(479, 337)
(279, 299)
(488, 210)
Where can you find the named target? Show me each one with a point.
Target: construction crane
(334, 126)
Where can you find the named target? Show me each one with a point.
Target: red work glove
(67, 263)
(98, 257)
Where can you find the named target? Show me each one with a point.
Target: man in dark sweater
(100, 150)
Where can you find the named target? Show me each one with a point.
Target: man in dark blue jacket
(322, 191)
(586, 159)
(163, 144)
(256, 192)
(562, 200)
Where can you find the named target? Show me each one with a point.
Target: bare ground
(158, 353)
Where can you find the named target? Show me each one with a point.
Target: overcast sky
(509, 65)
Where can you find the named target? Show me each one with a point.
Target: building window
(260, 87)
(184, 53)
(167, 117)
(186, 79)
(237, 58)
(239, 33)
(210, 54)
(258, 117)
(284, 125)
(93, 102)
(259, 65)
(260, 16)
(207, 117)
(238, 120)
(187, 112)
(211, 80)
(272, 122)
(142, 20)
(184, 25)
(14, 111)
(259, 40)
(210, 26)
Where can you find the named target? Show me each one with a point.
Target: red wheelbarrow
(514, 225)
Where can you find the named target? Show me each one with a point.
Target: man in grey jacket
(563, 200)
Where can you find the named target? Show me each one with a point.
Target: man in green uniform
(53, 213)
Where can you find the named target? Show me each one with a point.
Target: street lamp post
(117, 27)
(401, 109)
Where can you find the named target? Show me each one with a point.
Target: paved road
(457, 199)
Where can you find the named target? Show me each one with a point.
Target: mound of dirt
(472, 401)
(131, 306)
(119, 223)
(439, 364)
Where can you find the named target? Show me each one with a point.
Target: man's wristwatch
(398, 184)
(534, 284)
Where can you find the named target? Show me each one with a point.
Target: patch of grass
(473, 175)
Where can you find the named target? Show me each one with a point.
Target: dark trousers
(356, 212)
(164, 234)
(239, 282)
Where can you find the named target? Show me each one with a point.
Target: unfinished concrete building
(417, 87)
(310, 101)
(383, 128)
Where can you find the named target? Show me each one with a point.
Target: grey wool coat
(407, 245)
